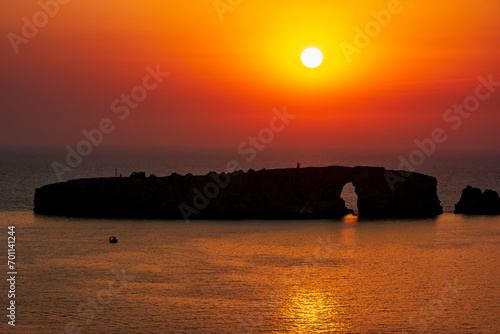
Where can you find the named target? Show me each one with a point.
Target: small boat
(113, 240)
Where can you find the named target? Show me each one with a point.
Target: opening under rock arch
(349, 196)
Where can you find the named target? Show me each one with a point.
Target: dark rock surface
(475, 202)
(294, 193)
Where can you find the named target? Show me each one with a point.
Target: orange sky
(227, 75)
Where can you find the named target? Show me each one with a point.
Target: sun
(311, 57)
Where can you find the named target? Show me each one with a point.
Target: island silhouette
(293, 193)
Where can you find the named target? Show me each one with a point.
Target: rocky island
(475, 202)
(293, 193)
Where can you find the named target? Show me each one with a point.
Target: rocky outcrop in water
(294, 193)
(475, 202)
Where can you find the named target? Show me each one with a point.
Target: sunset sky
(229, 69)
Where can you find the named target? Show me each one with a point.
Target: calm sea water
(341, 276)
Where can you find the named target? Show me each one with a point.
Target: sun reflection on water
(312, 311)
(350, 219)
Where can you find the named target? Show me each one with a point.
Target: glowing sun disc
(311, 57)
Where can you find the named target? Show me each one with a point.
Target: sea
(438, 275)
